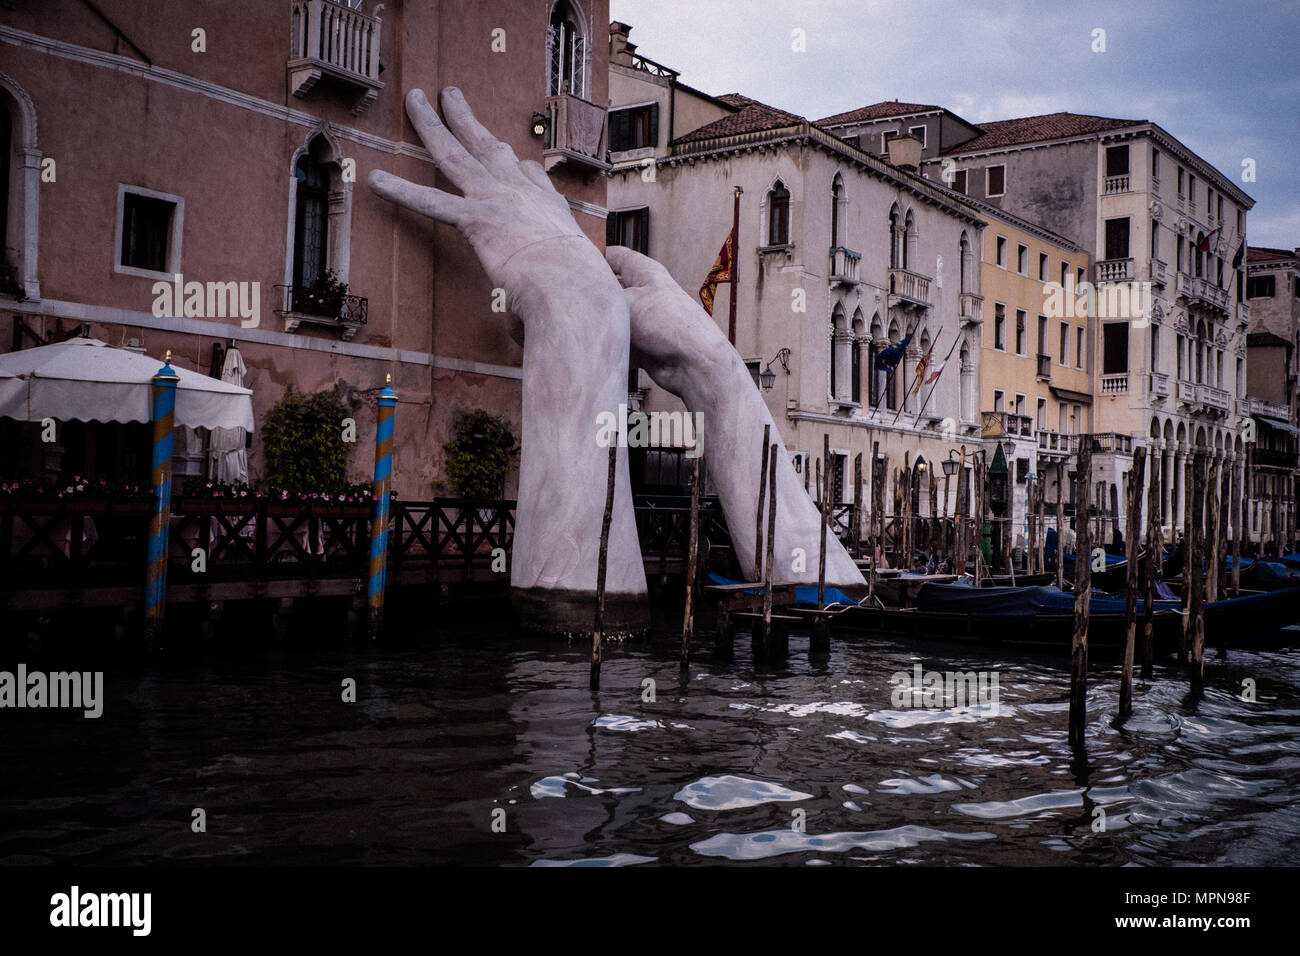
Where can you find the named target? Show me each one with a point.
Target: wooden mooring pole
(857, 506)
(1082, 596)
(597, 647)
(826, 511)
(762, 493)
(771, 535)
(382, 492)
(1196, 611)
(1155, 557)
(692, 561)
(165, 381)
(1132, 530)
(1060, 526)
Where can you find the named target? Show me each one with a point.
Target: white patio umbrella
(90, 381)
(226, 446)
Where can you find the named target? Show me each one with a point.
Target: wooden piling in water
(771, 536)
(692, 561)
(1211, 524)
(1236, 512)
(826, 510)
(1155, 556)
(762, 493)
(1132, 531)
(1196, 611)
(597, 647)
(857, 506)
(1082, 597)
(1060, 526)
(1188, 482)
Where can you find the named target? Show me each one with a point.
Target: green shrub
(480, 455)
(303, 441)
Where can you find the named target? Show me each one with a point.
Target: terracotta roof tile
(1032, 129)
(751, 116)
(1263, 254)
(876, 111)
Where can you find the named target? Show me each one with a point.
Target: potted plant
(324, 296)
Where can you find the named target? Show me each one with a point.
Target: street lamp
(767, 378)
(539, 124)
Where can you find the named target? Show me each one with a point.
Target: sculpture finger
(452, 158)
(434, 203)
(635, 269)
(494, 155)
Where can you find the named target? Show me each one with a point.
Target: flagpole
(930, 393)
(903, 404)
(889, 379)
(735, 266)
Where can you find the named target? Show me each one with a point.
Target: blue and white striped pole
(160, 507)
(379, 524)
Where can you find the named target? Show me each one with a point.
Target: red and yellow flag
(721, 272)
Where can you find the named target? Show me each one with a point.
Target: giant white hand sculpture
(684, 351)
(575, 364)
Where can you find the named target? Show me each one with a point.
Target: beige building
(1035, 376)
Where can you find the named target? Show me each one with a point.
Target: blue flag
(888, 358)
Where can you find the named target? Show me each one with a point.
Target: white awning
(87, 380)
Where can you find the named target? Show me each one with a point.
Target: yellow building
(1035, 380)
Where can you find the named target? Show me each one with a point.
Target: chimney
(620, 50)
(905, 153)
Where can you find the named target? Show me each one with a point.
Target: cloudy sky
(1224, 78)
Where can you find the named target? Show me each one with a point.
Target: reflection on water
(806, 764)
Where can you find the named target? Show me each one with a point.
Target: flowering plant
(324, 296)
(77, 488)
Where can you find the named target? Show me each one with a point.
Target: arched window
(891, 381)
(1200, 256)
(566, 52)
(20, 172)
(909, 238)
(876, 376)
(778, 215)
(839, 384)
(855, 357)
(894, 255)
(837, 197)
(1200, 352)
(310, 221)
(964, 264)
(967, 376)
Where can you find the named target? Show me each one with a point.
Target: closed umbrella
(229, 457)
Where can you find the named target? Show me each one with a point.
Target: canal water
(458, 734)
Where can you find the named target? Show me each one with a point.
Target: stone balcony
(1054, 445)
(1115, 384)
(575, 134)
(1212, 397)
(1159, 272)
(1114, 270)
(844, 265)
(1199, 291)
(1250, 405)
(1116, 184)
(1159, 384)
(332, 41)
(1006, 425)
(1186, 392)
(971, 308)
(909, 289)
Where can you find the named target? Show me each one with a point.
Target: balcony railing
(1160, 384)
(1111, 443)
(1212, 397)
(1273, 458)
(1186, 392)
(1114, 270)
(1006, 425)
(1200, 291)
(909, 287)
(1117, 184)
(1262, 406)
(1243, 313)
(332, 40)
(575, 133)
(345, 313)
(1055, 444)
(1115, 384)
(844, 265)
(971, 307)
(1044, 367)
(1159, 271)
